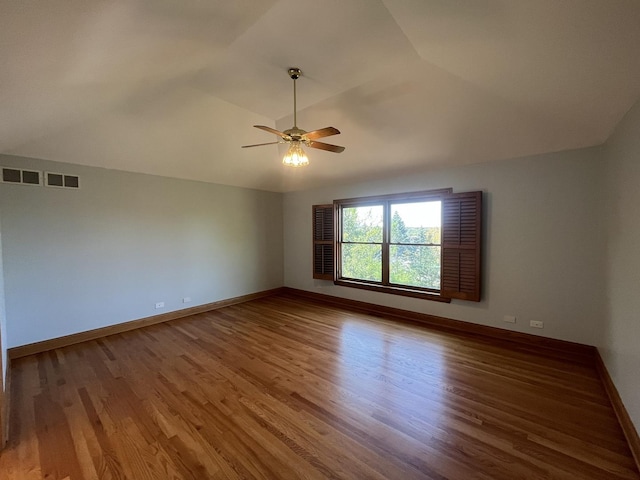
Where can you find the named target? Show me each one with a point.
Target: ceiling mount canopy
(296, 137)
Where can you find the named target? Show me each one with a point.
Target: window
(422, 244)
(414, 244)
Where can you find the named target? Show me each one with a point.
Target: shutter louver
(323, 246)
(461, 245)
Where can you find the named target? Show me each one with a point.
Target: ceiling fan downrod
(295, 73)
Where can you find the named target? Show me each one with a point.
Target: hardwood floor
(284, 388)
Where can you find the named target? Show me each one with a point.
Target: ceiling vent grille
(61, 180)
(21, 176)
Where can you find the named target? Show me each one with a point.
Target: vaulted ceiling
(173, 87)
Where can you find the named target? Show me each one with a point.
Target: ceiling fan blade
(323, 132)
(326, 146)
(272, 130)
(260, 144)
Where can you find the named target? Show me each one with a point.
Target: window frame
(386, 201)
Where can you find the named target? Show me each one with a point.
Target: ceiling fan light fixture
(295, 136)
(295, 156)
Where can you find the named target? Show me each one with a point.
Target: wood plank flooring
(284, 388)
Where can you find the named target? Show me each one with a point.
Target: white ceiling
(173, 87)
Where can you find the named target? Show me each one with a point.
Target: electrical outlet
(536, 324)
(509, 319)
(186, 299)
(160, 305)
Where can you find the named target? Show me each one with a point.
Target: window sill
(406, 292)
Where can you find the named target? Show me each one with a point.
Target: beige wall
(544, 242)
(620, 342)
(76, 260)
(3, 324)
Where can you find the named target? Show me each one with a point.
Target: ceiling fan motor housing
(295, 133)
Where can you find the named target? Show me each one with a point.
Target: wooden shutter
(461, 238)
(323, 245)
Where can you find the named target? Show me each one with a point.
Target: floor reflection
(384, 374)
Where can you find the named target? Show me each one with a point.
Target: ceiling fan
(296, 137)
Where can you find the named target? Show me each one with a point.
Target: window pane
(417, 222)
(362, 224)
(416, 266)
(362, 262)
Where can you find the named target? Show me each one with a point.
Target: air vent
(61, 180)
(21, 176)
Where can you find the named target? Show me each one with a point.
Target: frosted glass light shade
(295, 156)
